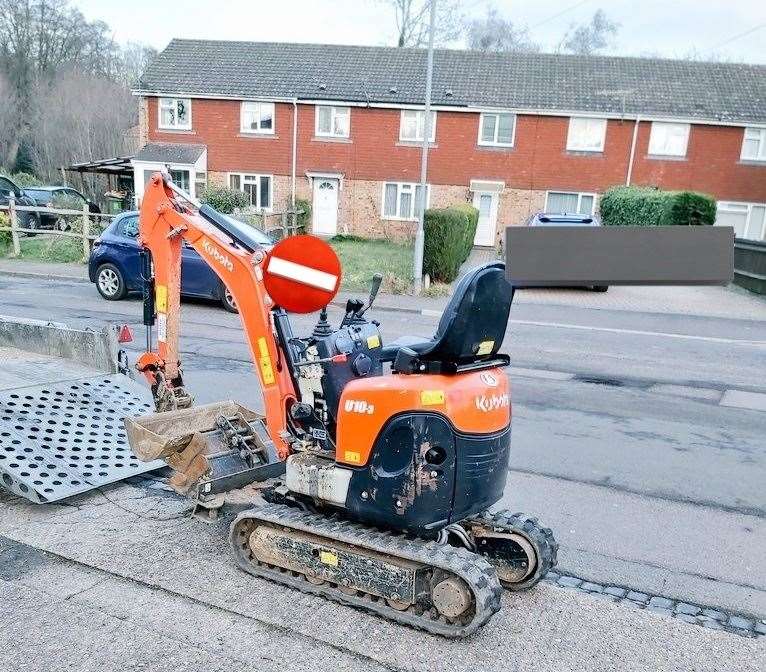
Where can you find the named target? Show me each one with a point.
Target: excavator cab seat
(470, 330)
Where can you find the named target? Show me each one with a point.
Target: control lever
(374, 289)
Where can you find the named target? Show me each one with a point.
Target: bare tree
(495, 33)
(135, 58)
(590, 38)
(412, 17)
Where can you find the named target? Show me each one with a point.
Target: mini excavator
(369, 478)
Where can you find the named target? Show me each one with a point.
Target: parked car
(47, 197)
(566, 219)
(8, 188)
(115, 264)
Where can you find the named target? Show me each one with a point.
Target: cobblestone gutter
(714, 619)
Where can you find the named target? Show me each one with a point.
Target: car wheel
(600, 288)
(62, 224)
(33, 222)
(110, 283)
(228, 302)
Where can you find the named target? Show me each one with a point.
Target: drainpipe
(632, 151)
(295, 151)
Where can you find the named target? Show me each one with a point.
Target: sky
(732, 30)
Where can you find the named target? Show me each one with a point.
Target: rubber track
(540, 537)
(472, 568)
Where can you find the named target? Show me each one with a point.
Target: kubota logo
(492, 402)
(218, 256)
(353, 406)
(488, 379)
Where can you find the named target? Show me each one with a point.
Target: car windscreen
(40, 195)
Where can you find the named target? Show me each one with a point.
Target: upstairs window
(497, 129)
(332, 122)
(259, 188)
(412, 126)
(586, 134)
(666, 139)
(175, 113)
(401, 200)
(754, 144)
(257, 118)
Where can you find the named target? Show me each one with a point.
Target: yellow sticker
(352, 456)
(373, 341)
(432, 397)
(328, 558)
(267, 372)
(485, 347)
(161, 298)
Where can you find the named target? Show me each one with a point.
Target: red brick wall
(539, 160)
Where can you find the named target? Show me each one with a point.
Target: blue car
(115, 264)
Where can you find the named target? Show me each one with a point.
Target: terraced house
(342, 127)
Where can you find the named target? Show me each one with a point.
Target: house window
(332, 122)
(748, 219)
(497, 129)
(259, 188)
(667, 139)
(754, 144)
(570, 202)
(175, 113)
(200, 182)
(412, 126)
(257, 118)
(586, 134)
(401, 200)
(180, 179)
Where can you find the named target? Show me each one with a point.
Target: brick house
(513, 134)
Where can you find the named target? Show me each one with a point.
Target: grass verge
(47, 248)
(360, 259)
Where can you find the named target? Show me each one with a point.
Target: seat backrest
(473, 324)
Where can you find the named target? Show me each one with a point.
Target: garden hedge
(224, 199)
(645, 206)
(449, 234)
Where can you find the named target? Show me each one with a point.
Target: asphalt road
(646, 480)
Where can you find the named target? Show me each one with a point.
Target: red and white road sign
(302, 274)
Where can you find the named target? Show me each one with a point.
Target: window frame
(573, 148)
(399, 185)
(721, 207)
(431, 139)
(495, 142)
(176, 126)
(333, 113)
(688, 128)
(761, 153)
(259, 130)
(257, 176)
(579, 195)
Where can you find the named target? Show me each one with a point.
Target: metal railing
(92, 224)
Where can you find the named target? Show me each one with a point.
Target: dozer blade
(212, 448)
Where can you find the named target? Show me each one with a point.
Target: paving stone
(688, 609)
(592, 587)
(552, 576)
(614, 590)
(741, 623)
(638, 597)
(663, 602)
(712, 623)
(660, 610)
(686, 618)
(570, 581)
(713, 613)
(760, 628)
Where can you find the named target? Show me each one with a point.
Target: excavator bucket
(212, 448)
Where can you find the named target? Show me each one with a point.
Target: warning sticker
(485, 347)
(264, 361)
(432, 397)
(162, 327)
(161, 298)
(328, 558)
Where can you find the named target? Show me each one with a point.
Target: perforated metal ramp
(58, 439)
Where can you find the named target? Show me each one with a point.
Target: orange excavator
(370, 476)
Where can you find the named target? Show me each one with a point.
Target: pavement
(638, 437)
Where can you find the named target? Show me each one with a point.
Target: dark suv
(46, 197)
(8, 188)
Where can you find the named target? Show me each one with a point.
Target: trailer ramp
(61, 417)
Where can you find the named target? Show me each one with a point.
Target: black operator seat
(473, 324)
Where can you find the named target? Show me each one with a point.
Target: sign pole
(417, 270)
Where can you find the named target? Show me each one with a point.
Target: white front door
(486, 203)
(325, 207)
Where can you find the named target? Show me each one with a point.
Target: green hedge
(449, 234)
(645, 206)
(304, 219)
(224, 199)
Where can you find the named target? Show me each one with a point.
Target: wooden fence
(92, 225)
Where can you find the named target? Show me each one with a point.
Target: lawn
(361, 259)
(47, 248)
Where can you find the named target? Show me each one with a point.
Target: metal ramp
(62, 404)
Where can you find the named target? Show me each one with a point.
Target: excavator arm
(168, 219)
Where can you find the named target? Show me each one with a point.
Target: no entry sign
(302, 274)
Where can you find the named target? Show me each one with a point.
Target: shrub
(449, 236)
(5, 236)
(645, 206)
(73, 222)
(304, 219)
(26, 180)
(225, 199)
